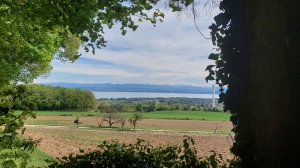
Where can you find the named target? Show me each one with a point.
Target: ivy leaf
(221, 89)
(225, 79)
(222, 98)
(225, 108)
(213, 56)
(214, 28)
(209, 78)
(220, 64)
(209, 67)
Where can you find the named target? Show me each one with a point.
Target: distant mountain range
(118, 87)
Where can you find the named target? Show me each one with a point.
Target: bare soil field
(148, 124)
(58, 141)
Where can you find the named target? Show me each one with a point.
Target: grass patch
(48, 122)
(175, 115)
(188, 115)
(38, 158)
(65, 113)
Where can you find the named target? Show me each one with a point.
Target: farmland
(176, 114)
(60, 136)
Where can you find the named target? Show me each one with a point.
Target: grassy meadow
(174, 115)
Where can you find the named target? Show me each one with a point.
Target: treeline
(157, 104)
(60, 98)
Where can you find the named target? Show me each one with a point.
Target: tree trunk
(274, 82)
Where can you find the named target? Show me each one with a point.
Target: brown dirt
(150, 123)
(62, 141)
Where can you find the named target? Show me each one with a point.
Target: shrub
(142, 154)
(77, 122)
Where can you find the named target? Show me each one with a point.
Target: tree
(13, 146)
(137, 116)
(153, 105)
(259, 43)
(139, 107)
(104, 107)
(123, 119)
(77, 122)
(35, 32)
(101, 119)
(112, 118)
(195, 108)
(59, 98)
(164, 106)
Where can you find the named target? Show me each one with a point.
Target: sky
(173, 52)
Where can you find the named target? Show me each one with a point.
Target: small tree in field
(112, 118)
(101, 119)
(123, 120)
(135, 118)
(77, 121)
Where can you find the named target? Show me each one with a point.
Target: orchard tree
(122, 120)
(137, 116)
(101, 119)
(112, 118)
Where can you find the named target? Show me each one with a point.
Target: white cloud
(174, 51)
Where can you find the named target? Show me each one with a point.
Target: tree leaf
(225, 79)
(213, 56)
(209, 67)
(209, 78)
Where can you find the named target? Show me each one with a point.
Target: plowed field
(58, 141)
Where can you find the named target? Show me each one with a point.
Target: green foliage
(156, 104)
(137, 116)
(33, 31)
(143, 154)
(164, 106)
(139, 108)
(38, 158)
(174, 114)
(12, 146)
(77, 122)
(231, 68)
(60, 98)
(153, 105)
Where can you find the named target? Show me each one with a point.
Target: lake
(149, 95)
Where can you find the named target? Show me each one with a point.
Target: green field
(188, 115)
(177, 115)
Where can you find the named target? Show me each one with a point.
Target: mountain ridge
(132, 87)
